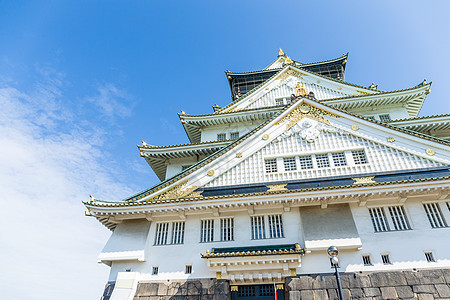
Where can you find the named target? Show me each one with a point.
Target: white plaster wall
(210, 133)
(397, 112)
(174, 166)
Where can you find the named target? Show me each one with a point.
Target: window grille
(207, 233)
(188, 269)
(305, 162)
(289, 164)
(359, 157)
(221, 137)
(155, 270)
(258, 228)
(398, 218)
(162, 230)
(379, 221)
(266, 290)
(177, 232)
(366, 260)
(339, 159)
(247, 291)
(234, 135)
(279, 101)
(322, 161)
(435, 215)
(385, 118)
(430, 257)
(227, 229)
(271, 166)
(276, 226)
(386, 259)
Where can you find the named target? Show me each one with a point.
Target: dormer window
(234, 135)
(385, 118)
(221, 136)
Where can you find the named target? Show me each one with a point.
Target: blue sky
(83, 82)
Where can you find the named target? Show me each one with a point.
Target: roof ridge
(230, 112)
(419, 118)
(147, 146)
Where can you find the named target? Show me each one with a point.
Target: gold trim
(277, 187)
(293, 272)
(390, 139)
(265, 137)
(355, 127)
(175, 192)
(298, 114)
(363, 180)
(239, 155)
(430, 151)
(211, 173)
(280, 287)
(234, 288)
(218, 275)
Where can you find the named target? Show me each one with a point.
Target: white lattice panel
(287, 88)
(380, 157)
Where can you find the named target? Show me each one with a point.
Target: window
(378, 219)
(234, 135)
(430, 257)
(289, 164)
(322, 161)
(221, 137)
(275, 227)
(385, 259)
(258, 228)
(155, 270)
(271, 166)
(162, 230)
(188, 269)
(279, 101)
(227, 229)
(162, 233)
(398, 218)
(366, 260)
(207, 232)
(434, 215)
(339, 159)
(305, 162)
(385, 118)
(359, 157)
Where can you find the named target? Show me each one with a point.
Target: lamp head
(335, 260)
(333, 251)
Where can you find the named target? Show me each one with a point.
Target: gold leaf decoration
(363, 180)
(302, 111)
(355, 127)
(211, 173)
(265, 137)
(175, 192)
(390, 139)
(277, 187)
(239, 155)
(430, 151)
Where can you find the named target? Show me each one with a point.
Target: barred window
(177, 232)
(339, 159)
(279, 101)
(385, 118)
(379, 221)
(359, 157)
(435, 215)
(227, 229)
(271, 165)
(386, 259)
(429, 257)
(188, 269)
(366, 260)
(234, 135)
(155, 270)
(162, 230)
(207, 232)
(221, 137)
(289, 164)
(398, 218)
(305, 162)
(276, 226)
(322, 161)
(258, 228)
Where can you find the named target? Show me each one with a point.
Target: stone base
(208, 289)
(109, 287)
(423, 284)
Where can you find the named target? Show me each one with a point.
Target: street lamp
(333, 253)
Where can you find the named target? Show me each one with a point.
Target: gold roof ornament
(238, 92)
(280, 52)
(288, 61)
(144, 144)
(300, 90)
(373, 86)
(183, 113)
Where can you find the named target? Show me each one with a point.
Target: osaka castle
(298, 160)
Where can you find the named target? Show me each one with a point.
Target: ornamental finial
(297, 247)
(182, 113)
(373, 86)
(288, 61)
(91, 198)
(424, 82)
(280, 52)
(144, 144)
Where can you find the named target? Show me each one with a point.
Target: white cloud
(112, 101)
(49, 164)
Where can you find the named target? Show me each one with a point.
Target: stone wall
(109, 287)
(423, 284)
(208, 289)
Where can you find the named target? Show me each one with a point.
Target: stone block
(305, 282)
(446, 274)
(388, 293)
(380, 279)
(194, 287)
(220, 287)
(404, 292)
(332, 294)
(425, 297)
(177, 288)
(293, 284)
(221, 297)
(346, 294)
(372, 292)
(425, 277)
(356, 293)
(424, 289)
(320, 294)
(294, 295)
(306, 294)
(443, 290)
(147, 289)
(162, 289)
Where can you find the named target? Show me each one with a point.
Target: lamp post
(333, 253)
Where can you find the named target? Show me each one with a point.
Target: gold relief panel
(363, 180)
(306, 110)
(390, 139)
(239, 155)
(211, 173)
(277, 187)
(265, 137)
(430, 151)
(176, 192)
(355, 127)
